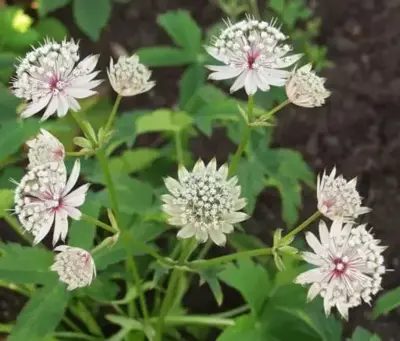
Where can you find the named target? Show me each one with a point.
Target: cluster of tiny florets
(49, 77)
(339, 198)
(304, 88)
(74, 266)
(253, 52)
(129, 77)
(204, 202)
(349, 266)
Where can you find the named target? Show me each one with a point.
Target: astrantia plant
(136, 198)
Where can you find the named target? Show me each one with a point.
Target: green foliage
(23, 264)
(360, 334)
(386, 303)
(47, 6)
(91, 23)
(42, 314)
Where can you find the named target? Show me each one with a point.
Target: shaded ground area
(358, 130)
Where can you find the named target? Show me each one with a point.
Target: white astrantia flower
(349, 266)
(253, 52)
(74, 266)
(50, 77)
(339, 198)
(204, 203)
(44, 148)
(129, 77)
(305, 89)
(44, 198)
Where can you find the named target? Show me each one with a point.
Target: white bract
(129, 77)
(305, 89)
(43, 198)
(74, 266)
(349, 266)
(44, 148)
(49, 77)
(204, 202)
(338, 198)
(253, 52)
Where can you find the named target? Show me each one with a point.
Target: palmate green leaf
(210, 276)
(42, 313)
(256, 277)
(81, 233)
(361, 334)
(251, 179)
(182, 29)
(192, 80)
(51, 28)
(23, 264)
(246, 328)
(6, 200)
(386, 302)
(47, 6)
(132, 161)
(91, 23)
(14, 134)
(163, 120)
(156, 56)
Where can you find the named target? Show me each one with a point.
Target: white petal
(73, 178)
(61, 225)
(35, 107)
(183, 173)
(310, 276)
(77, 197)
(227, 228)
(201, 236)
(224, 72)
(63, 106)
(250, 83)
(239, 82)
(288, 60)
(314, 290)
(187, 231)
(314, 243)
(312, 258)
(45, 229)
(199, 166)
(172, 185)
(239, 204)
(80, 92)
(73, 103)
(223, 172)
(175, 221)
(51, 108)
(323, 233)
(73, 212)
(214, 53)
(217, 236)
(235, 217)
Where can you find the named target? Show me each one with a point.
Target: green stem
(274, 110)
(15, 225)
(113, 113)
(234, 312)
(301, 227)
(82, 126)
(196, 320)
(203, 252)
(227, 258)
(245, 138)
(98, 223)
(178, 147)
(101, 156)
(173, 282)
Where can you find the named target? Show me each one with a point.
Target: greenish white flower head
(339, 198)
(44, 198)
(305, 89)
(253, 52)
(204, 203)
(74, 266)
(129, 77)
(44, 148)
(52, 77)
(348, 266)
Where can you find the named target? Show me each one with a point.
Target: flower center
(251, 59)
(56, 85)
(340, 267)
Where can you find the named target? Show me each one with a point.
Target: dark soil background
(358, 130)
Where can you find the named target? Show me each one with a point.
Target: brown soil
(358, 130)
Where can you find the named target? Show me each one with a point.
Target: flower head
(204, 202)
(349, 266)
(305, 89)
(49, 77)
(338, 198)
(43, 198)
(253, 52)
(44, 148)
(74, 266)
(128, 77)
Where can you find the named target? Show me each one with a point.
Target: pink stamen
(340, 267)
(251, 59)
